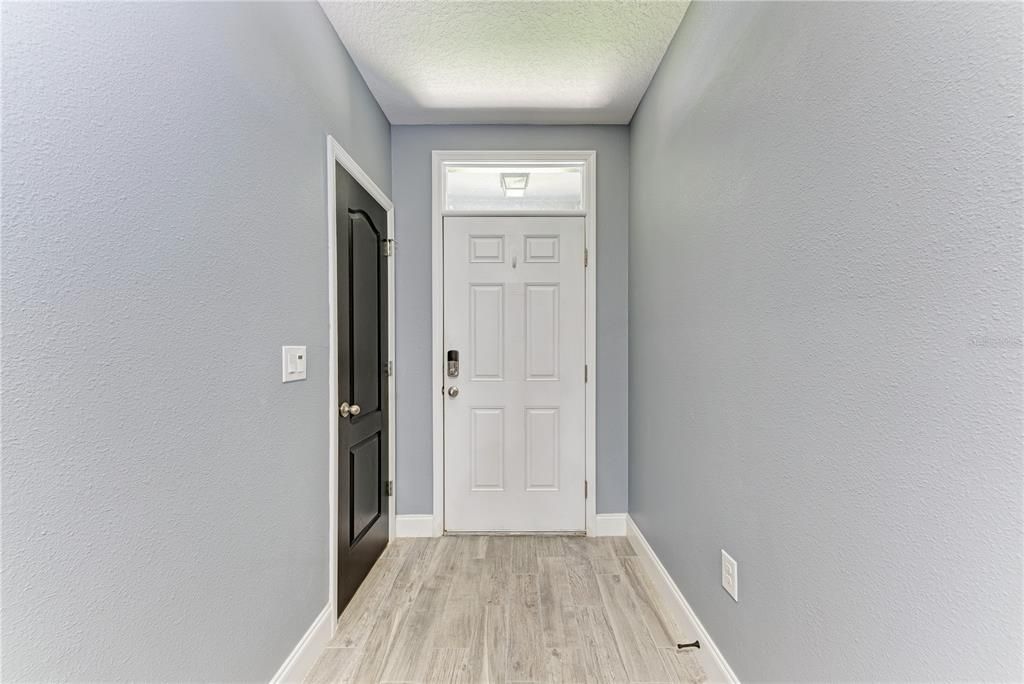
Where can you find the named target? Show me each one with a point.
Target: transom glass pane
(550, 187)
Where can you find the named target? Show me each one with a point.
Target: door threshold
(485, 533)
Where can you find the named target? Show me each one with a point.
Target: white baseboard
(305, 654)
(414, 525)
(712, 659)
(609, 525)
(422, 525)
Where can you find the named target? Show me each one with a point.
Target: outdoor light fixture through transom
(514, 184)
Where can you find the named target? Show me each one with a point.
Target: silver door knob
(347, 409)
(453, 392)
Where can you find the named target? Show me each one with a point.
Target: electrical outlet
(730, 576)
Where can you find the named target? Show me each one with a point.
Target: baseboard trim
(609, 525)
(414, 525)
(302, 658)
(715, 666)
(422, 525)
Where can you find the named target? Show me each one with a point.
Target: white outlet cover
(730, 576)
(293, 363)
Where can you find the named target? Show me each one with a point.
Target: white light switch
(293, 363)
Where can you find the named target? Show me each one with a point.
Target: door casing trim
(336, 153)
(588, 158)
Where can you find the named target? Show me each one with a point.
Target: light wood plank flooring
(507, 609)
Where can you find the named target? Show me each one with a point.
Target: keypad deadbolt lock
(453, 363)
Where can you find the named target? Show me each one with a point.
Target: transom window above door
(514, 188)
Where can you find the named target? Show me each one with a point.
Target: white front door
(514, 420)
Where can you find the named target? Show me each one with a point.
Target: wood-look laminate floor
(507, 609)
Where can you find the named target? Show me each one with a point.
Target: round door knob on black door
(453, 392)
(347, 409)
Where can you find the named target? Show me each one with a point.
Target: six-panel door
(515, 430)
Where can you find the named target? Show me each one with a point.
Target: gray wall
(825, 335)
(410, 159)
(164, 208)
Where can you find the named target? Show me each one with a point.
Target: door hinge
(391, 368)
(389, 489)
(586, 489)
(586, 373)
(586, 257)
(389, 247)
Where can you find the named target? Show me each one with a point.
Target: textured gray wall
(410, 159)
(164, 208)
(825, 335)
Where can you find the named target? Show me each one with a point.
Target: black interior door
(362, 384)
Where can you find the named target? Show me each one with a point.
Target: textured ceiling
(531, 61)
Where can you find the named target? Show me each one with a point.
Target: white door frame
(588, 158)
(336, 153)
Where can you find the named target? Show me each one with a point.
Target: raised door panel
(365, 311)
(542, 449)
(487, 331)
(364, 478)
(487, 449)
(542, 332)
(486, 249)
(541, 249)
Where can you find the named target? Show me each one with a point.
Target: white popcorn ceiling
(542, 62)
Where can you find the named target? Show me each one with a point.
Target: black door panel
(367, 272)
(362, 381)
(367, 500)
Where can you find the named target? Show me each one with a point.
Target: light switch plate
(293, 363)
(730, 576)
